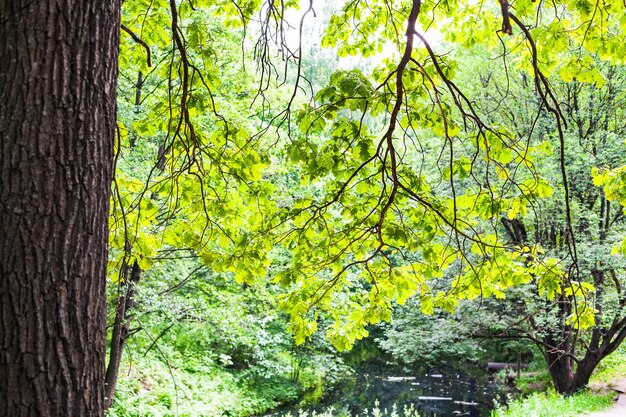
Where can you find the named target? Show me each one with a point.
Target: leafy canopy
(375, 185)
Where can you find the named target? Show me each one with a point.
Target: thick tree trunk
(583, 372)
(121, 328)
(58, 71)
(568, 380)
(561, 373)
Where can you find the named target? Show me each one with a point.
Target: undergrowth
(551, 404)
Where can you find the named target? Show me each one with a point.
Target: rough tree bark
(58, 71)
(568, 377)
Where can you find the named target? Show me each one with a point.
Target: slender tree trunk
(121, 327)
(58, 71)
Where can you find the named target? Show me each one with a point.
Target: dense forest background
(302, 193)
(319, 126)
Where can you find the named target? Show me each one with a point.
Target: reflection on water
(432, 394)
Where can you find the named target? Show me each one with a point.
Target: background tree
(570, 350)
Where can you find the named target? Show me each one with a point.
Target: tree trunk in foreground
(58, 71)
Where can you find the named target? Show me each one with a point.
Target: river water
(449, 394)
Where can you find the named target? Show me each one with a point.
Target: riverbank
(597, 401)
(619, 408)
(550, 404)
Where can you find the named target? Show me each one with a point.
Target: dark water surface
(449, 394)
(432, 394)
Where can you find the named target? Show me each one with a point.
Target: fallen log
(495, 366)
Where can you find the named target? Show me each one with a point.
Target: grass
(551, 404)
